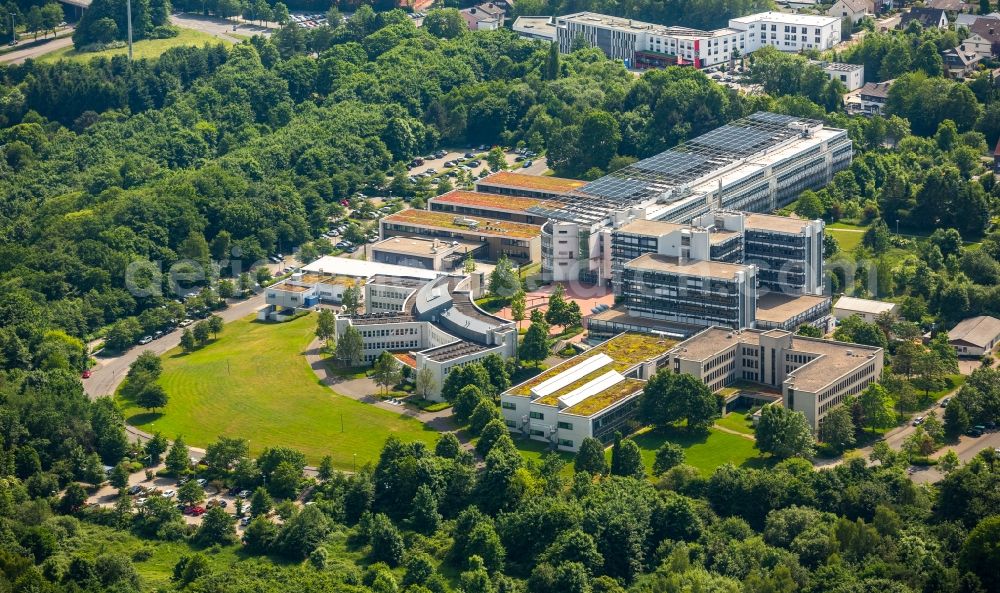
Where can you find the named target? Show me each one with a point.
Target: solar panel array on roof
(671, 172)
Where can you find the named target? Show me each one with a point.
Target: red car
(85, 374)
(195, 511)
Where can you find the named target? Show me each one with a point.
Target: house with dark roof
(871, 98)
(927, 17)
(958, 63)
(483, 17)
(984, 31)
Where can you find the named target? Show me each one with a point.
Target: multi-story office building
(688, 291)
(813, 375)
(645, 45)
(433, 324)
(756, 164)
(518, 241)
(594, 394)
(788, 253)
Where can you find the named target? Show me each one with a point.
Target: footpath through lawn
(254, 382)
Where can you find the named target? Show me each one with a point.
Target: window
(565, 425)
(508, 405)
(537, 433)
(537, 415)
(565, 443)
(511, 424)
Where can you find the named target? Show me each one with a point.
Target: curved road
(36, 50)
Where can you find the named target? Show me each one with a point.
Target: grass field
(705, 451)
(736, 421)
(253, 382)
(147, 48)
(847, 239)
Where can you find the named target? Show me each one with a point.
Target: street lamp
(128, 14)
(13, 36)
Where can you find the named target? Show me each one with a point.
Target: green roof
(608, 397)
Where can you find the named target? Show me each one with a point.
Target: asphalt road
(35, 50)
(110, 371)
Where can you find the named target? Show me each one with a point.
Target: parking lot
(472, 160)
(141, 489)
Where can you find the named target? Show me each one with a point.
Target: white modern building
(594, 394)
(541, 28)
(866, 309)
(852, 76)
(433, 324)
(645, 45)
(756, 164)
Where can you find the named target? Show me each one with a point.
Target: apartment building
(813, 375)
(594, 394)
(520, 242)
(696, 292)
(852, 76)
(755, 164)
(645, 45)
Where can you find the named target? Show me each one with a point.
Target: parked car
(976, 431)
(186, 322)
(945, 402)
(245, 521)
(158, 334)
(202, 482)
(196, 511)
(918, 421)
(145, 340)
(168, 493)
(85, 374)
(244, 494)
(137, 489)
(528, 164)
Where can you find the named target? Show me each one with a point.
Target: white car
(168, 494)
(145, 340)
(202, 482)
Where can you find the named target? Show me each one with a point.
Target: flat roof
(834, 359)
(284, 285)
(531, 182)
(775, 307)
(541, 25)
(656, 228)
(785, 17)
(476, 225)
(626, 351)
(779, 224)
(689, 267)
(843, 67)
(675, 177)
(422, 246)
(359, 268)
(623, 317)
(316, 278)
(606, 398)
(847, 303)
(475, 199)
(651, 228)
(452, 351)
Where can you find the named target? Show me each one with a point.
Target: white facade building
(756, 164)
(645, 45)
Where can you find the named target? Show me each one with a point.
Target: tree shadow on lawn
(143, 418)
(653, 439)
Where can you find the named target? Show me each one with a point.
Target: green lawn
(147, 48)
(705, 451)
(848, 240)
(533, 451)
(737, 421)
(253, 382)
